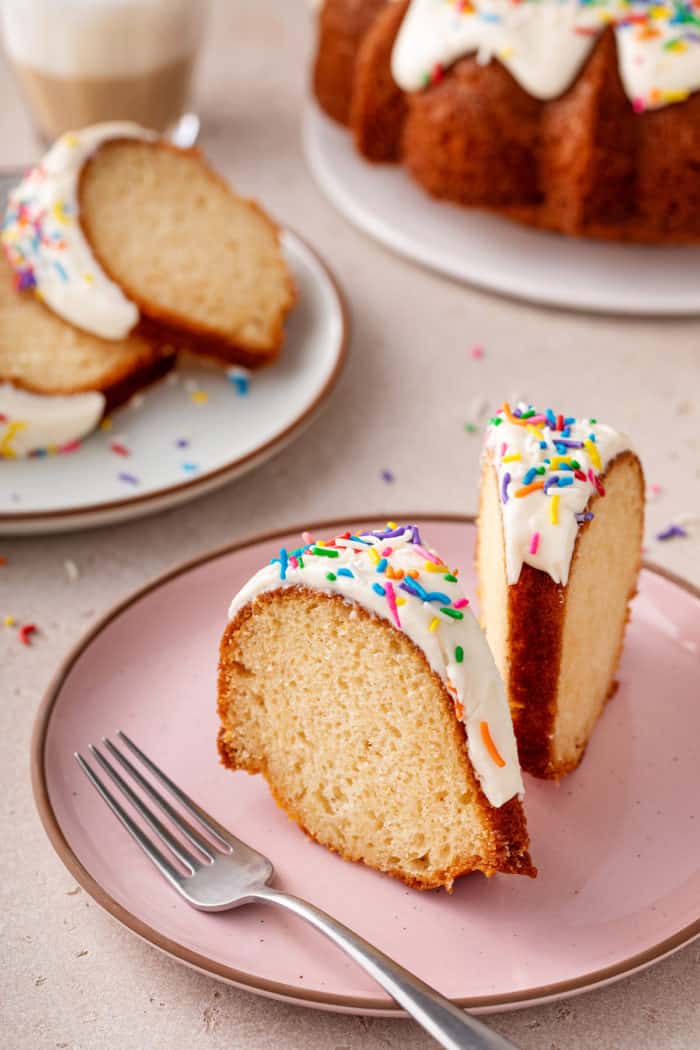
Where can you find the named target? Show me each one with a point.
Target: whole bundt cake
(581, 116)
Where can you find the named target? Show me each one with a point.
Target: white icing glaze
(32, 422)
(45, 243)
(544, 43)
(536, 532)
(473, 683)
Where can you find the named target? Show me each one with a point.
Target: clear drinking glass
(81, 62)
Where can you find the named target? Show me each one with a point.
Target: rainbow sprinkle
(549, 467)
(658, 43)
(672, 532)
(374, 546)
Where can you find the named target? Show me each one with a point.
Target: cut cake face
(355, 678)
(121, 232)
(56, 381)
(560, 532)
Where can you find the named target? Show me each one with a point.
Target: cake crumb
(72, 571)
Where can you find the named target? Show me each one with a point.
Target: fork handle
(445, 1022)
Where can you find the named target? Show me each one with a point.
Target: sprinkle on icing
(394, 576)
(544, 43)
(557, 472)
(38, 425)
(45, 244)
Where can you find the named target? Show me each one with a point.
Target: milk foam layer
(101, 38)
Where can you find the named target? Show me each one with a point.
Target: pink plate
(615, 842)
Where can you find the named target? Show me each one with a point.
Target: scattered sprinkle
(239, 379)
(9, 621)
(128, 479)
(534, 543)
(459, 654)
(671, 532)
(190, 468)
(182, 443)
(477, 352)
(388, 476)
(434, 624)
(199, 397)
(25, 633)
(119, 448)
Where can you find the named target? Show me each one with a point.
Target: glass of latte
(81, 62)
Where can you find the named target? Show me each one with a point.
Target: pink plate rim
(274, 989)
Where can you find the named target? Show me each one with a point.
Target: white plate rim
(260, 985)
(111, 511)
(394, 240)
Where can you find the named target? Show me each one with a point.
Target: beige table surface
(71, 977)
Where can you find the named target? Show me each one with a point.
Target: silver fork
(222, 872)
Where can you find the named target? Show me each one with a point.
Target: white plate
(493, 253)
(192, 432)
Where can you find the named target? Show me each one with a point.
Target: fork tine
(151, 819)
(142, 840)
(183, 825)
(213, 826)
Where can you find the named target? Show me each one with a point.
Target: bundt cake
(559, 541)
(122, 233)
(56, 381)
(354, 677)
(581, 116)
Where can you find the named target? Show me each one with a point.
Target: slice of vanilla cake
(560, 532)
(122, 233)
(353, 675)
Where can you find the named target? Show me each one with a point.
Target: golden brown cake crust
(585, 164)
(509, 841)
(342, 25)
(536, 612)
(119, 392)
(378, 105)
(162, 328)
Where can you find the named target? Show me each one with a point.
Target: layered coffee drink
(81, 62)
